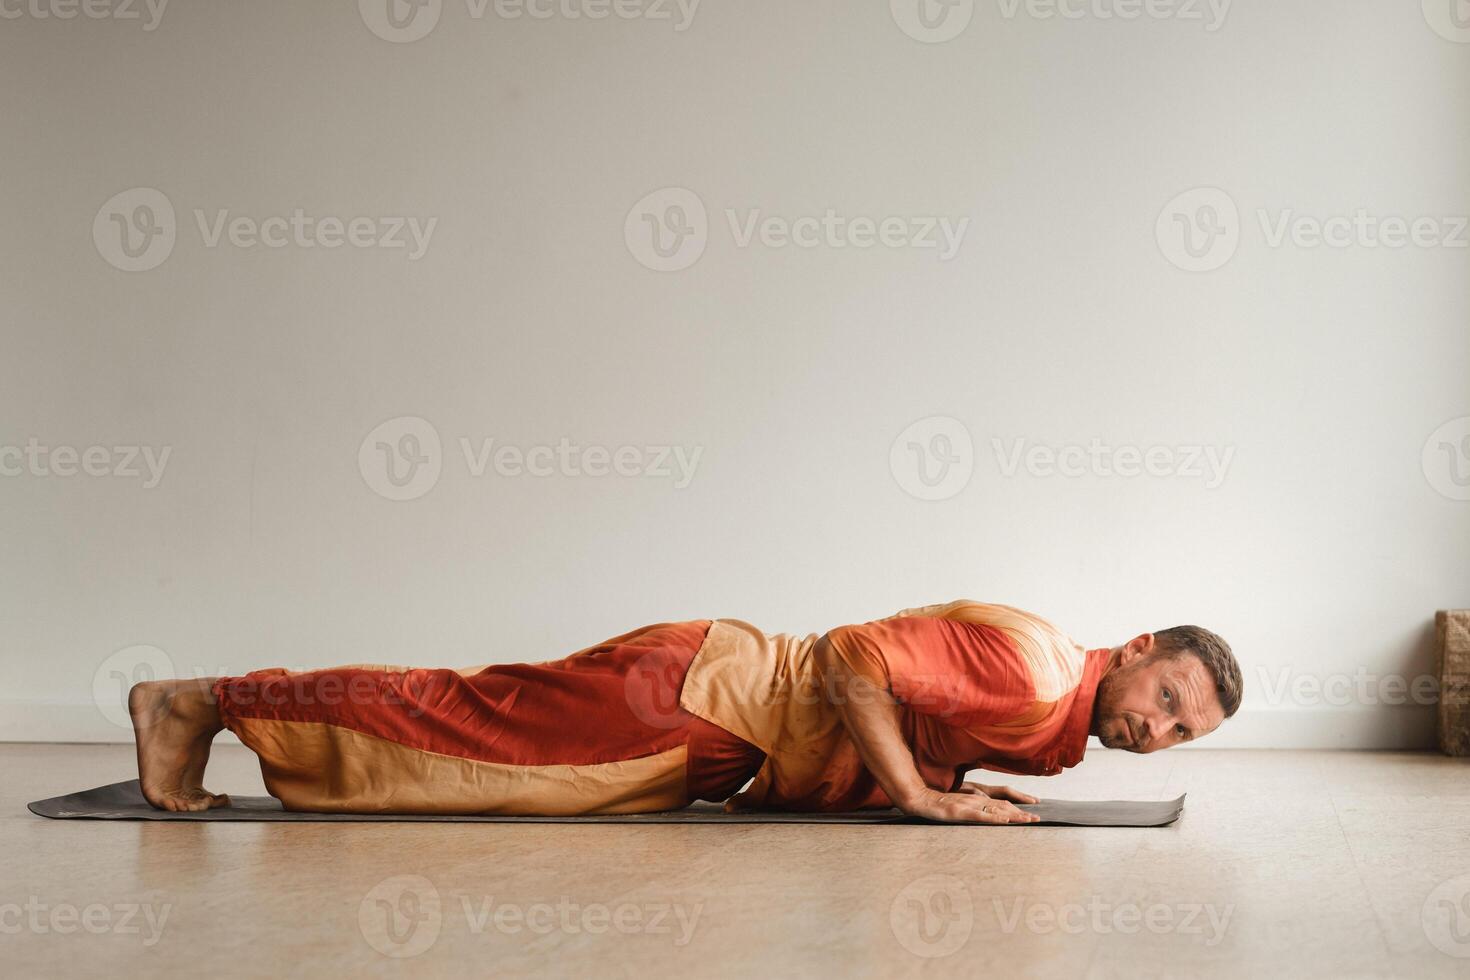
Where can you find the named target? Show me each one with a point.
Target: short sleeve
(964, 674)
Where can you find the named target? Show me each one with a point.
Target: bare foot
(174, 723)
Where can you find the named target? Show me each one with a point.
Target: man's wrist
(912, 799)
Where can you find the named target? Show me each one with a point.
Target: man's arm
(871, 716)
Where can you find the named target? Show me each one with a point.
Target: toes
(189, 801)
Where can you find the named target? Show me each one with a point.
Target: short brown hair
(1213, 652)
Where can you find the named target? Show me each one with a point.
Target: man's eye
(1179, 730)
(1167, 695)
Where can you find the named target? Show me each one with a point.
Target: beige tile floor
(1285, 864)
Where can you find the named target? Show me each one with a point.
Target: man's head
(1160, 689)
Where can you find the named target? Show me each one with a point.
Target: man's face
(1148, 702)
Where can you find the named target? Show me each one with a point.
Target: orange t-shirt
(980, 685)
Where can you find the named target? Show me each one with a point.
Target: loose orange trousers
(600, 731)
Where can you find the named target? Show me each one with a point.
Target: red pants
(600, 731)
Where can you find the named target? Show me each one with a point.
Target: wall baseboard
(1363, 728)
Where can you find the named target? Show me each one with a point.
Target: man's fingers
(987, 810)
(1013, 813)
(972, 804)
(1006, 793)
(986, 814)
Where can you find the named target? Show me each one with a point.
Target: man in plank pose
(888, 713)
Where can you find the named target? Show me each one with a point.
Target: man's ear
(1140, 646)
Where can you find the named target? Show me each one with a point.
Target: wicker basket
(1453, 627)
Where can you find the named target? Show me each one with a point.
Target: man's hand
(972, 803)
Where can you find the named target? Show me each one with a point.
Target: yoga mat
(124, 801)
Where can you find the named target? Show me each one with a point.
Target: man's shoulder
(1052, 657)
(986, 614)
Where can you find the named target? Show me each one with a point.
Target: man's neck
(1115, 656)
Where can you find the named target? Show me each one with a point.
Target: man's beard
(1106, 714)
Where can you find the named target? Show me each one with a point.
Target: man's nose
(1154, 729)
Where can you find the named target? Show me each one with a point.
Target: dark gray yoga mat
(124, 801)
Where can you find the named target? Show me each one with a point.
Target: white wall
(1061, 319)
